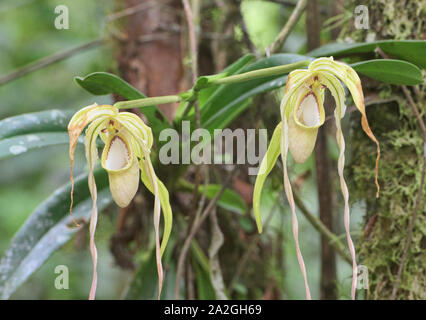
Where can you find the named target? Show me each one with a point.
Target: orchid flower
(302, 113)
(128, 141)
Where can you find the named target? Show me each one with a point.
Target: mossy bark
(381, 245)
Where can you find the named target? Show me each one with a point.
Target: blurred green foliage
(27, 33)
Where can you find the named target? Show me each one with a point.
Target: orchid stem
(146, 102)
(261, 73)
(212, 81)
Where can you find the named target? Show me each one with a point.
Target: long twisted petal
(345, 192)
(91, 156)
(338, 94)
(289, 194)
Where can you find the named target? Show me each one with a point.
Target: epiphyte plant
(302, 113)
(128, 141)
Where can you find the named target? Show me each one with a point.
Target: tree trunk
(150, 57)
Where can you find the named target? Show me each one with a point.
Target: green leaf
(25, 132)
(228, 101)
(47, 229)
(234, 68)
(199, 255)
(229, 200)
(20, 144)
(266, 166)
(390, 71)
(409, 50)
(102, 83)
(242, 62)
(205, 288)
(144, 285)
(44, 121)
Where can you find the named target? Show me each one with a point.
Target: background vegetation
(148, 46)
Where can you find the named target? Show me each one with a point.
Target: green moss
(387, 218)
(381, 246)
(389, 19)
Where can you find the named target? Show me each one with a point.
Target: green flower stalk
(302, 113)
(128, 141)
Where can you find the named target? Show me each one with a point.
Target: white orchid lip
(116, 156)
(309, 113)
(306, 116)
(122, 167)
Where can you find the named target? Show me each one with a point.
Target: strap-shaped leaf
(46, 230)
(144, 286)
(205, 288)
(28, 131)
(390, 71)
(409, 50)
(20, 144)
(103, 83)
(229, 200)
(36, 122)
(234, 68)
(266, 166)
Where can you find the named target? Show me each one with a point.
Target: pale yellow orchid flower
(128, 141)
(302, 113)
